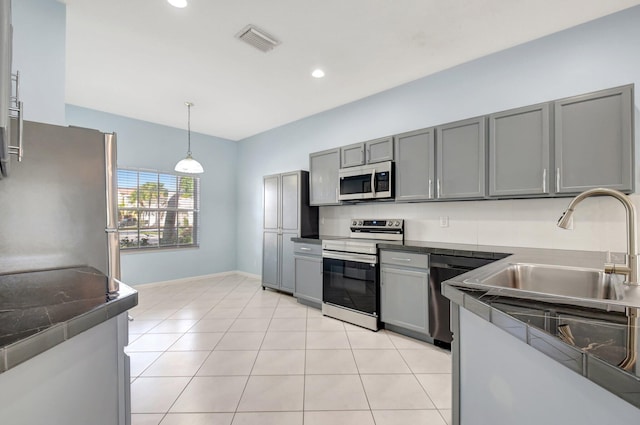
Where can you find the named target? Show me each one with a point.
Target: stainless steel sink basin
(563, 281)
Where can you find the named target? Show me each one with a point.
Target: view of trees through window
(157, 210)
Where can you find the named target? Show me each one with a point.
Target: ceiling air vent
(257, 38)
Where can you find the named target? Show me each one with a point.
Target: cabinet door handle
(305, 249)
(401, 259)
(557, 179)
(430, 189)
(544, 180)
(438, 188)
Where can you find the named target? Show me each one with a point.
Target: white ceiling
(144, 58)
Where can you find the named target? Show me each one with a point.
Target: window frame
(156, 211)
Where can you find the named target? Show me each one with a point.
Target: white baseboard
(251, 275)
(197, 278)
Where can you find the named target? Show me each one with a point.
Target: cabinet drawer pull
(401, 259)
(305, 249)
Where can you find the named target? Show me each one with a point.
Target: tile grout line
(237, 291)
(257, 354)
(194, 375)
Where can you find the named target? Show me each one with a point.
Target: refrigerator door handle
(113, 239)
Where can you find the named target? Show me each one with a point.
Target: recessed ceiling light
(178, 3)
(318, 73)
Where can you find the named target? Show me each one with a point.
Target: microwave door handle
(373, 182)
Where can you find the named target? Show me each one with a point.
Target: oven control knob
(354, 223)
(397, 223)
(389, 223)
(360, 223)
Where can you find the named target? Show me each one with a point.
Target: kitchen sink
(574, 282)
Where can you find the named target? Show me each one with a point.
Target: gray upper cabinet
(287, 214)
(519, 152)
(271, 194)
(352, 155)
(290, 201)
(594, 141)
(377, 150)
(460, 154)
(415, 166)
(323, 177)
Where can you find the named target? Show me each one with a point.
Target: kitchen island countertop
(41, 309)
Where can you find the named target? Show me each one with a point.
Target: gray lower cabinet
(415, 166)
(308, 273)
(271, 247)
(323, 177)
(83, 380)
(404, 290)
(519, 152)
(287, 280)
(593, 141)
(286, 215)
(377, 150)
(460, 160)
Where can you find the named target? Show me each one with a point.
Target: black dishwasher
(441, 268)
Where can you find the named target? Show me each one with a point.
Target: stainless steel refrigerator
(58, 206)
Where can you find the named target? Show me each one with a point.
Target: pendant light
(189, 165)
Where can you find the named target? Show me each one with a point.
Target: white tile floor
(222, 351)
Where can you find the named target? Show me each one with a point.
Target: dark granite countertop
(427, 247)
(41, 309)
(316, 240)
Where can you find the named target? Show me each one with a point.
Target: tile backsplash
(599, 223)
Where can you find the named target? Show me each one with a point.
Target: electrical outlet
(444, 221)
(321, 220)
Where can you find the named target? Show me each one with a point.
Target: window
(157, 210)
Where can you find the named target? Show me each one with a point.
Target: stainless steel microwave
(372, 181)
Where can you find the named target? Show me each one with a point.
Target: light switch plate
(444, 221)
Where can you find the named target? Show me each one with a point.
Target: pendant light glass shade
(189, 165)
(178, 3)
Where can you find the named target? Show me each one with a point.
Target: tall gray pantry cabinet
(286, 215)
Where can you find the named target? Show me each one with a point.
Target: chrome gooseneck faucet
(630, 268)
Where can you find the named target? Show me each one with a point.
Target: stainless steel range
(350, 279)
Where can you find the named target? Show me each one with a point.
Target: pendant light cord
(189, 105)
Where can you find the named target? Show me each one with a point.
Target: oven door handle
(348, 256)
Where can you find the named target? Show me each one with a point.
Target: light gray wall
(146, 145)
(593, 56)
(39, 54)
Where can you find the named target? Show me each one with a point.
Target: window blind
(157, 210)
